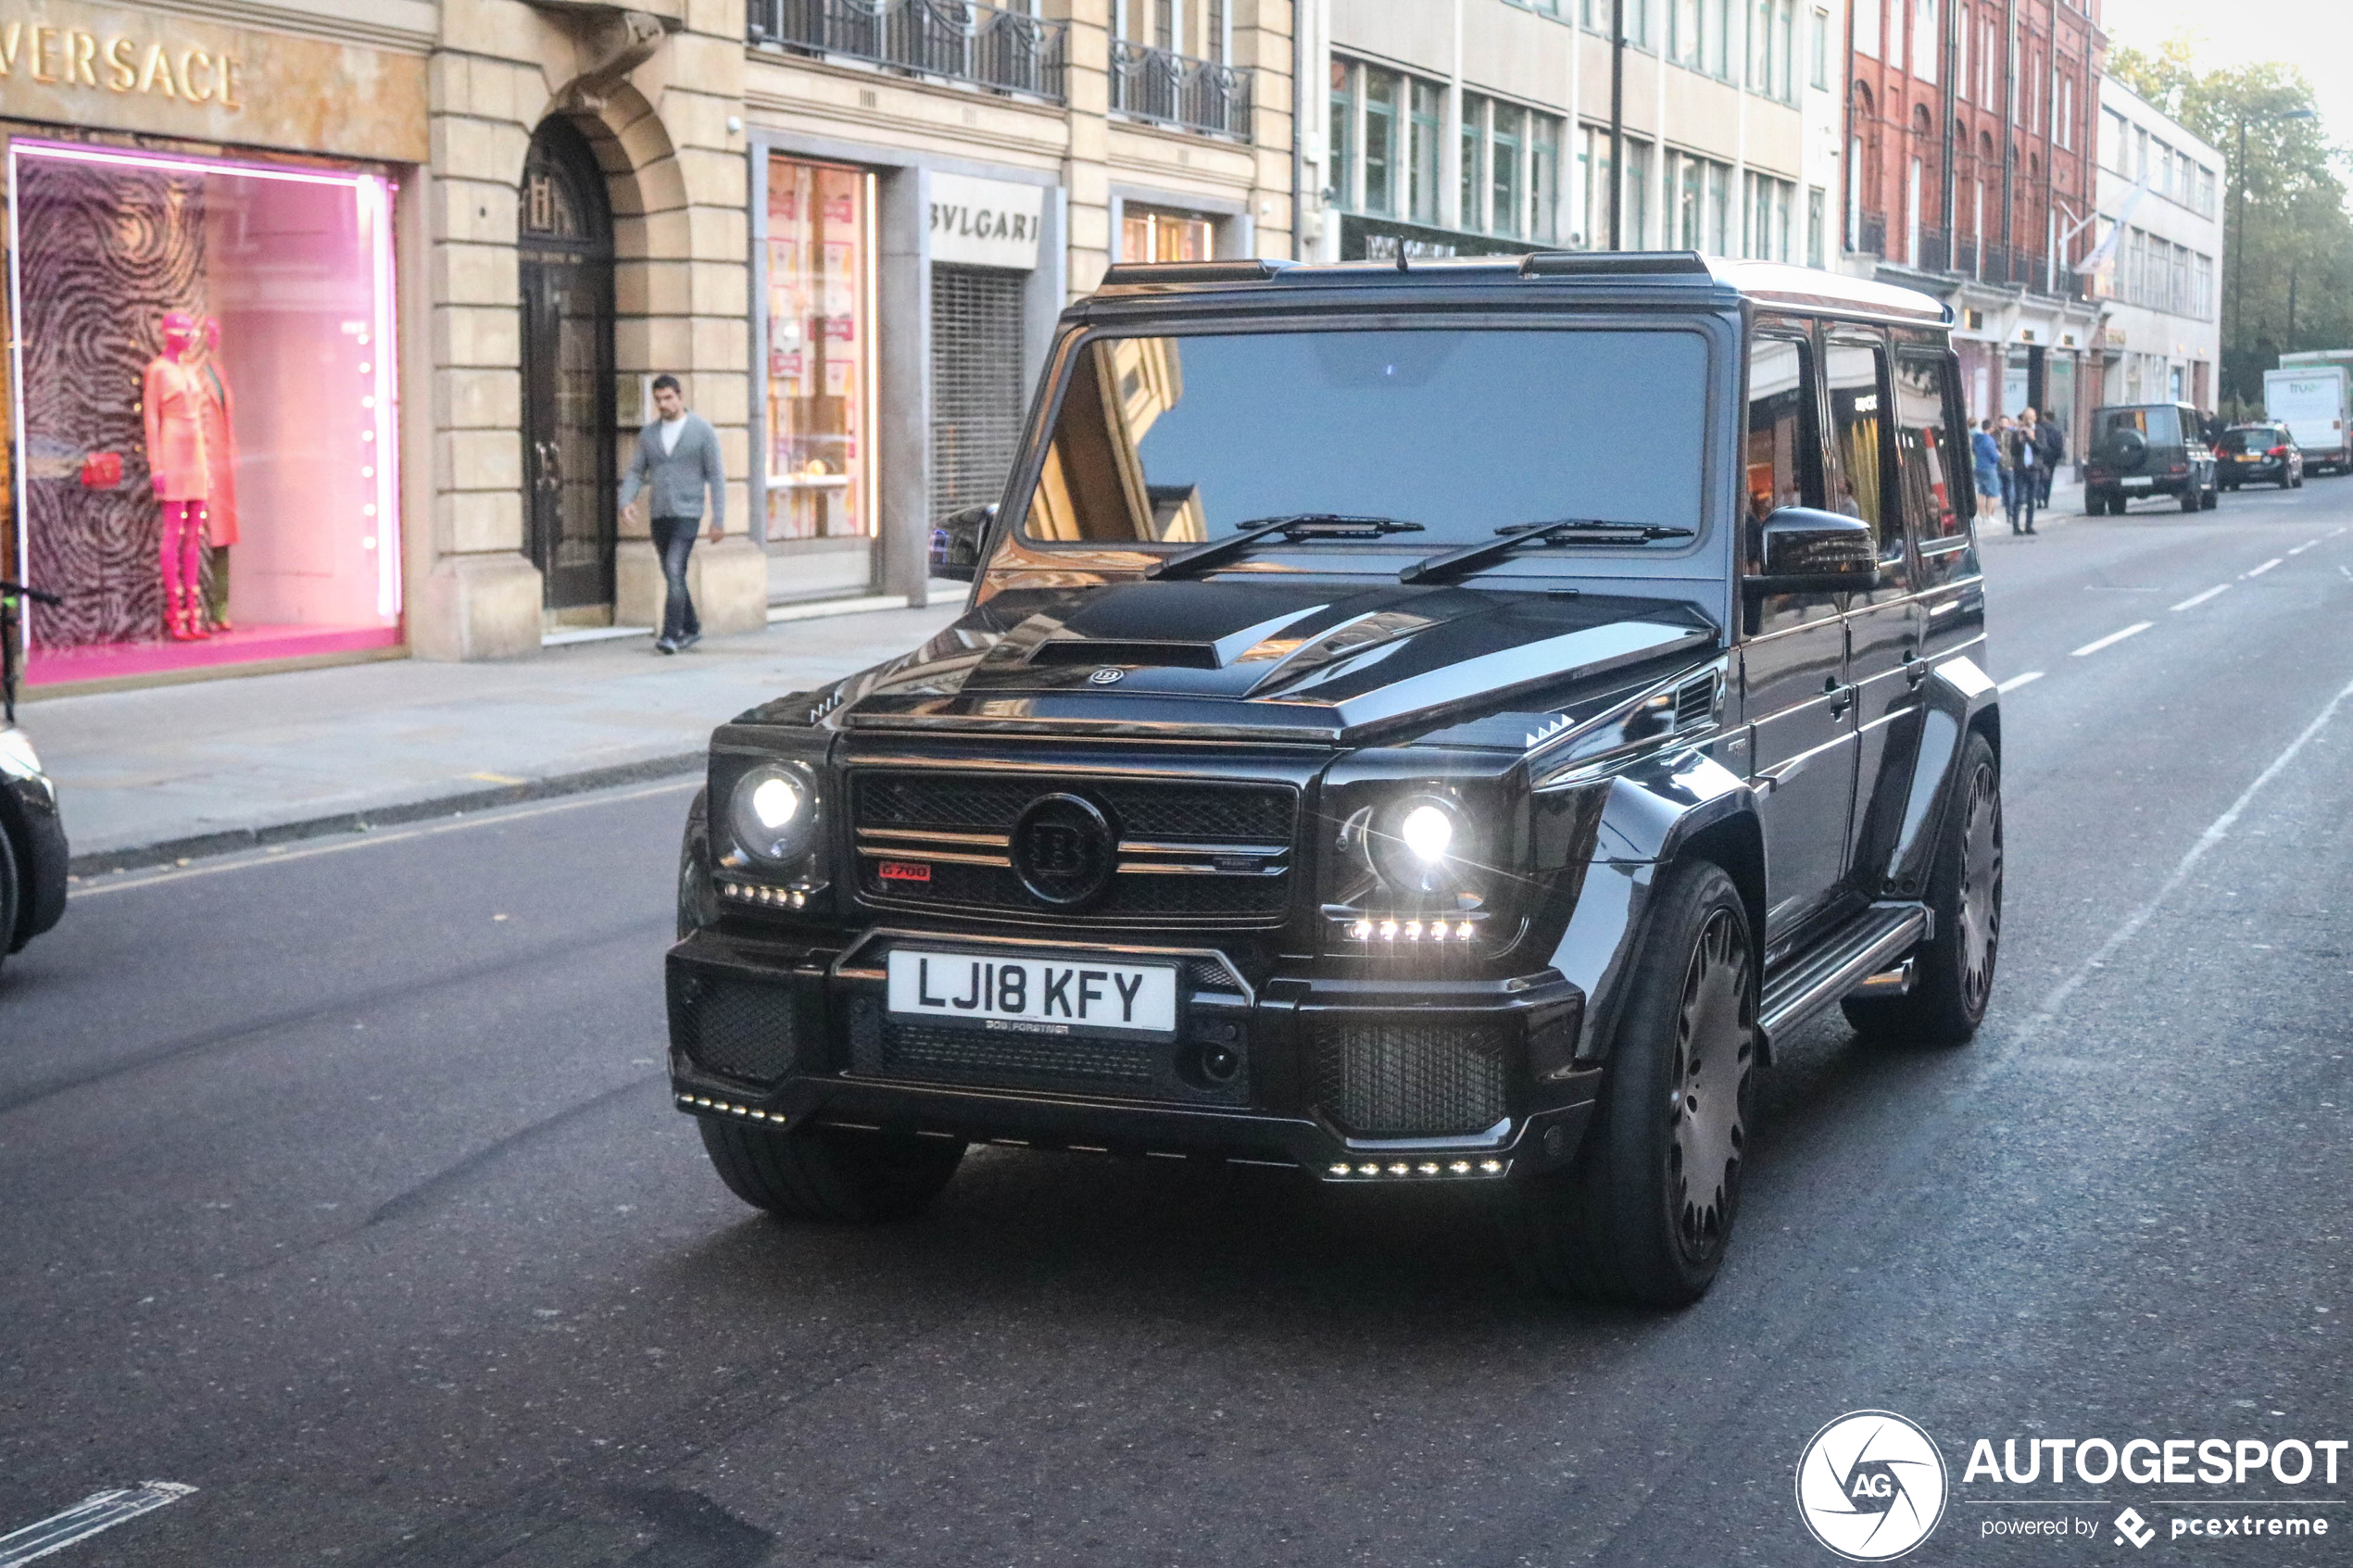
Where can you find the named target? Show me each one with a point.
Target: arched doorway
(565, 238)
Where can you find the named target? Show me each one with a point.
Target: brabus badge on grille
(1106, 676)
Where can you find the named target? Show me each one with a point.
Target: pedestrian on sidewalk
(677, 456)
(1987, 453)
(2050, 448)
(2026, 484)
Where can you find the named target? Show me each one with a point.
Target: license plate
(2250, 456)
(2129, 483)
(1052, 995)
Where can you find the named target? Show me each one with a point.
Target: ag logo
(1870, 1486)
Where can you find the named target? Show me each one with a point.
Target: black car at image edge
(2144, 449)
(1443, 723)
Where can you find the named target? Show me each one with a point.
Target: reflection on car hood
(1277, 662)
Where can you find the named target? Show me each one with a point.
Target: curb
(231, 840)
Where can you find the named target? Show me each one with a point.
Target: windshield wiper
(1291, 525)
(1560, 531)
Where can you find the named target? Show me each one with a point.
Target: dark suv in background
(2140, 449)
(1355, 758)
(2259, 454)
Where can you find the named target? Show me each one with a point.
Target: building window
(1428, 122)
(209, 368)
(1506, 125)
(1961, 25)
(1817, 215)
(1719, 40)
(1543, 177)
(821, 336)
(1924, 41)
(1866, 27)
(1767, 218)
(1685, 44)
(977, 384)
(1637, 213)
(1818, 71)
(1474, 161)
(2202, 287)
(1341, 191)
(1147, 234)
(1381, 94)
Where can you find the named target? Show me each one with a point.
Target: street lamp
(2238, 262)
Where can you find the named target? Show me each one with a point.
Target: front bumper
(789, 1033)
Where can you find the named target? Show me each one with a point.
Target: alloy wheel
(1980, 887)
(1715, 1046)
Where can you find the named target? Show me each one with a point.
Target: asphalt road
(342, 1185)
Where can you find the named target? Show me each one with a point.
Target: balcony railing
(960, 40)
(1198, 95)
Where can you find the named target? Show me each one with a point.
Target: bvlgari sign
(131, 69)
(984, 223)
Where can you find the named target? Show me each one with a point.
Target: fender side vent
(1695, 702)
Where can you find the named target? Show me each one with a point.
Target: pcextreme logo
(1870, 1486)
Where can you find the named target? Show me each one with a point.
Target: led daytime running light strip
(729, 1108)
(1389, 929)
(786, 897)
(1370, 1170)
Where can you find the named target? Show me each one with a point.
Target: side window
(1932, 461)
(1781, 460)
(1858, 409)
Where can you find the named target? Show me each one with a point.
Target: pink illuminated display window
(205, 410)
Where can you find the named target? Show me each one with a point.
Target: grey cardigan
(677, 477)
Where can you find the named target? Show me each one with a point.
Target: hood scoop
(1065, 652)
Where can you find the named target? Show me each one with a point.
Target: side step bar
(1858, 950)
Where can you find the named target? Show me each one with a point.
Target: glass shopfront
(821, 344)
(205, 407)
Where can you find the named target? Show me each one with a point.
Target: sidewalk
(149, 776)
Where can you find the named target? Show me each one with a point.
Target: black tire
(2296, 484)
(2210, 498)
(2190, 502)
(1644, 1214)
(831, 1174)
(2095, 503)
(12, 904)
(1952, 971)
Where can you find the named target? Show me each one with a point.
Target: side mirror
(1806, 551)
(956, 541)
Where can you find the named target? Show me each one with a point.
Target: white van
(2315, 401)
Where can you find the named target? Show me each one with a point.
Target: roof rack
(1612, 263)
(1251, 271)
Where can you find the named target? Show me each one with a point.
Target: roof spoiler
(1251, 270)
(1613, 264)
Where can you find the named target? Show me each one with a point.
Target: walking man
(677, 456)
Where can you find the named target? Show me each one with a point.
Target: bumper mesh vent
(1386, 1078)
(739, 1030)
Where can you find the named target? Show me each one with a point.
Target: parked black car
(32, 836)
(2143, 449)
(1355, 758)
(2259, 454)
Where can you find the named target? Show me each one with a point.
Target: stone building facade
(441, 248)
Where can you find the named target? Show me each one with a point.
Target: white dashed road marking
(2195, 600)
(2261, 570)
(2113, 638)
(100, 1511)
(2304, 546)
(2017, 681)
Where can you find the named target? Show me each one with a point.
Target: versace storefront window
(204, 391)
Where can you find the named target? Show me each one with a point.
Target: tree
(2286, 280)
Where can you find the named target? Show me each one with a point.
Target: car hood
(1317, 662)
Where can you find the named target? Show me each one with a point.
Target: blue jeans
(674, 542)
(2018, 493)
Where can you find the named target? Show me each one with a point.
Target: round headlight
(1418, 845)
(774, 813)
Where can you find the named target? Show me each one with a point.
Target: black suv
(1430, 724)
(2259, 454)
(2148, 449)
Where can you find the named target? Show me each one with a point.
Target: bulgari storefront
(202, 387)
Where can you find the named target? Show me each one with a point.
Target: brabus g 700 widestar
(1439, 724)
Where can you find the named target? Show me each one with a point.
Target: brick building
(1971, 135)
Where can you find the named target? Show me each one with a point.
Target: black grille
(736, 1028)
(1139, 1070)
(1695, 702)
(1209, 814)
(1380, 1078)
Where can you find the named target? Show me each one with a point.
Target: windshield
(1181, 440)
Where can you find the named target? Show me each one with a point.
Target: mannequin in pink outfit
(173, 403)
